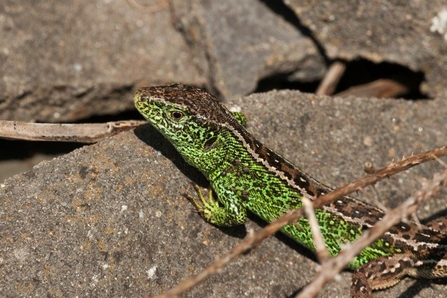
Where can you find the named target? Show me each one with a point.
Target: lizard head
(190, 118)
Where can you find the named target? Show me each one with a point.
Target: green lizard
(247, 176)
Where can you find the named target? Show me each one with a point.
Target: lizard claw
(204, 205)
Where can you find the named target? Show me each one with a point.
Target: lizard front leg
(228, 213)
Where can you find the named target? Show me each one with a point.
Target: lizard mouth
(137, 100)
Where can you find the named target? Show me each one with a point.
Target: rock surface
(413, 34)
(68, 61)
(108, 219)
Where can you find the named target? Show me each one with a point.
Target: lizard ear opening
(209, 143)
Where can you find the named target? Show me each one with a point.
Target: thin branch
(63, 132)
(292, 216)
(331, 79)
(320, 247)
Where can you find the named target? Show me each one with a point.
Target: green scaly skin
(247, 176)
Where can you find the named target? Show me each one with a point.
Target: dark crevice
(22, 150)
(282, 81)
(362, 71)
(18, 156)
(126, 115)
(358, 72)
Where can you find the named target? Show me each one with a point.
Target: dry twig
(64, 132)
(320, 247)
(331, 79)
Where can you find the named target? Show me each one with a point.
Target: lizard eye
(176, 115)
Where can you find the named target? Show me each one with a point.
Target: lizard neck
(276, 164)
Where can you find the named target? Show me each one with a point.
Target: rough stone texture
(249, 43)
(68, 61)
(108, 219)
(410, 33)
(64, 61)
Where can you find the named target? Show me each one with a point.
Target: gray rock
(108, 220)
(413, 34)
(242, 42)
(68, 61)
